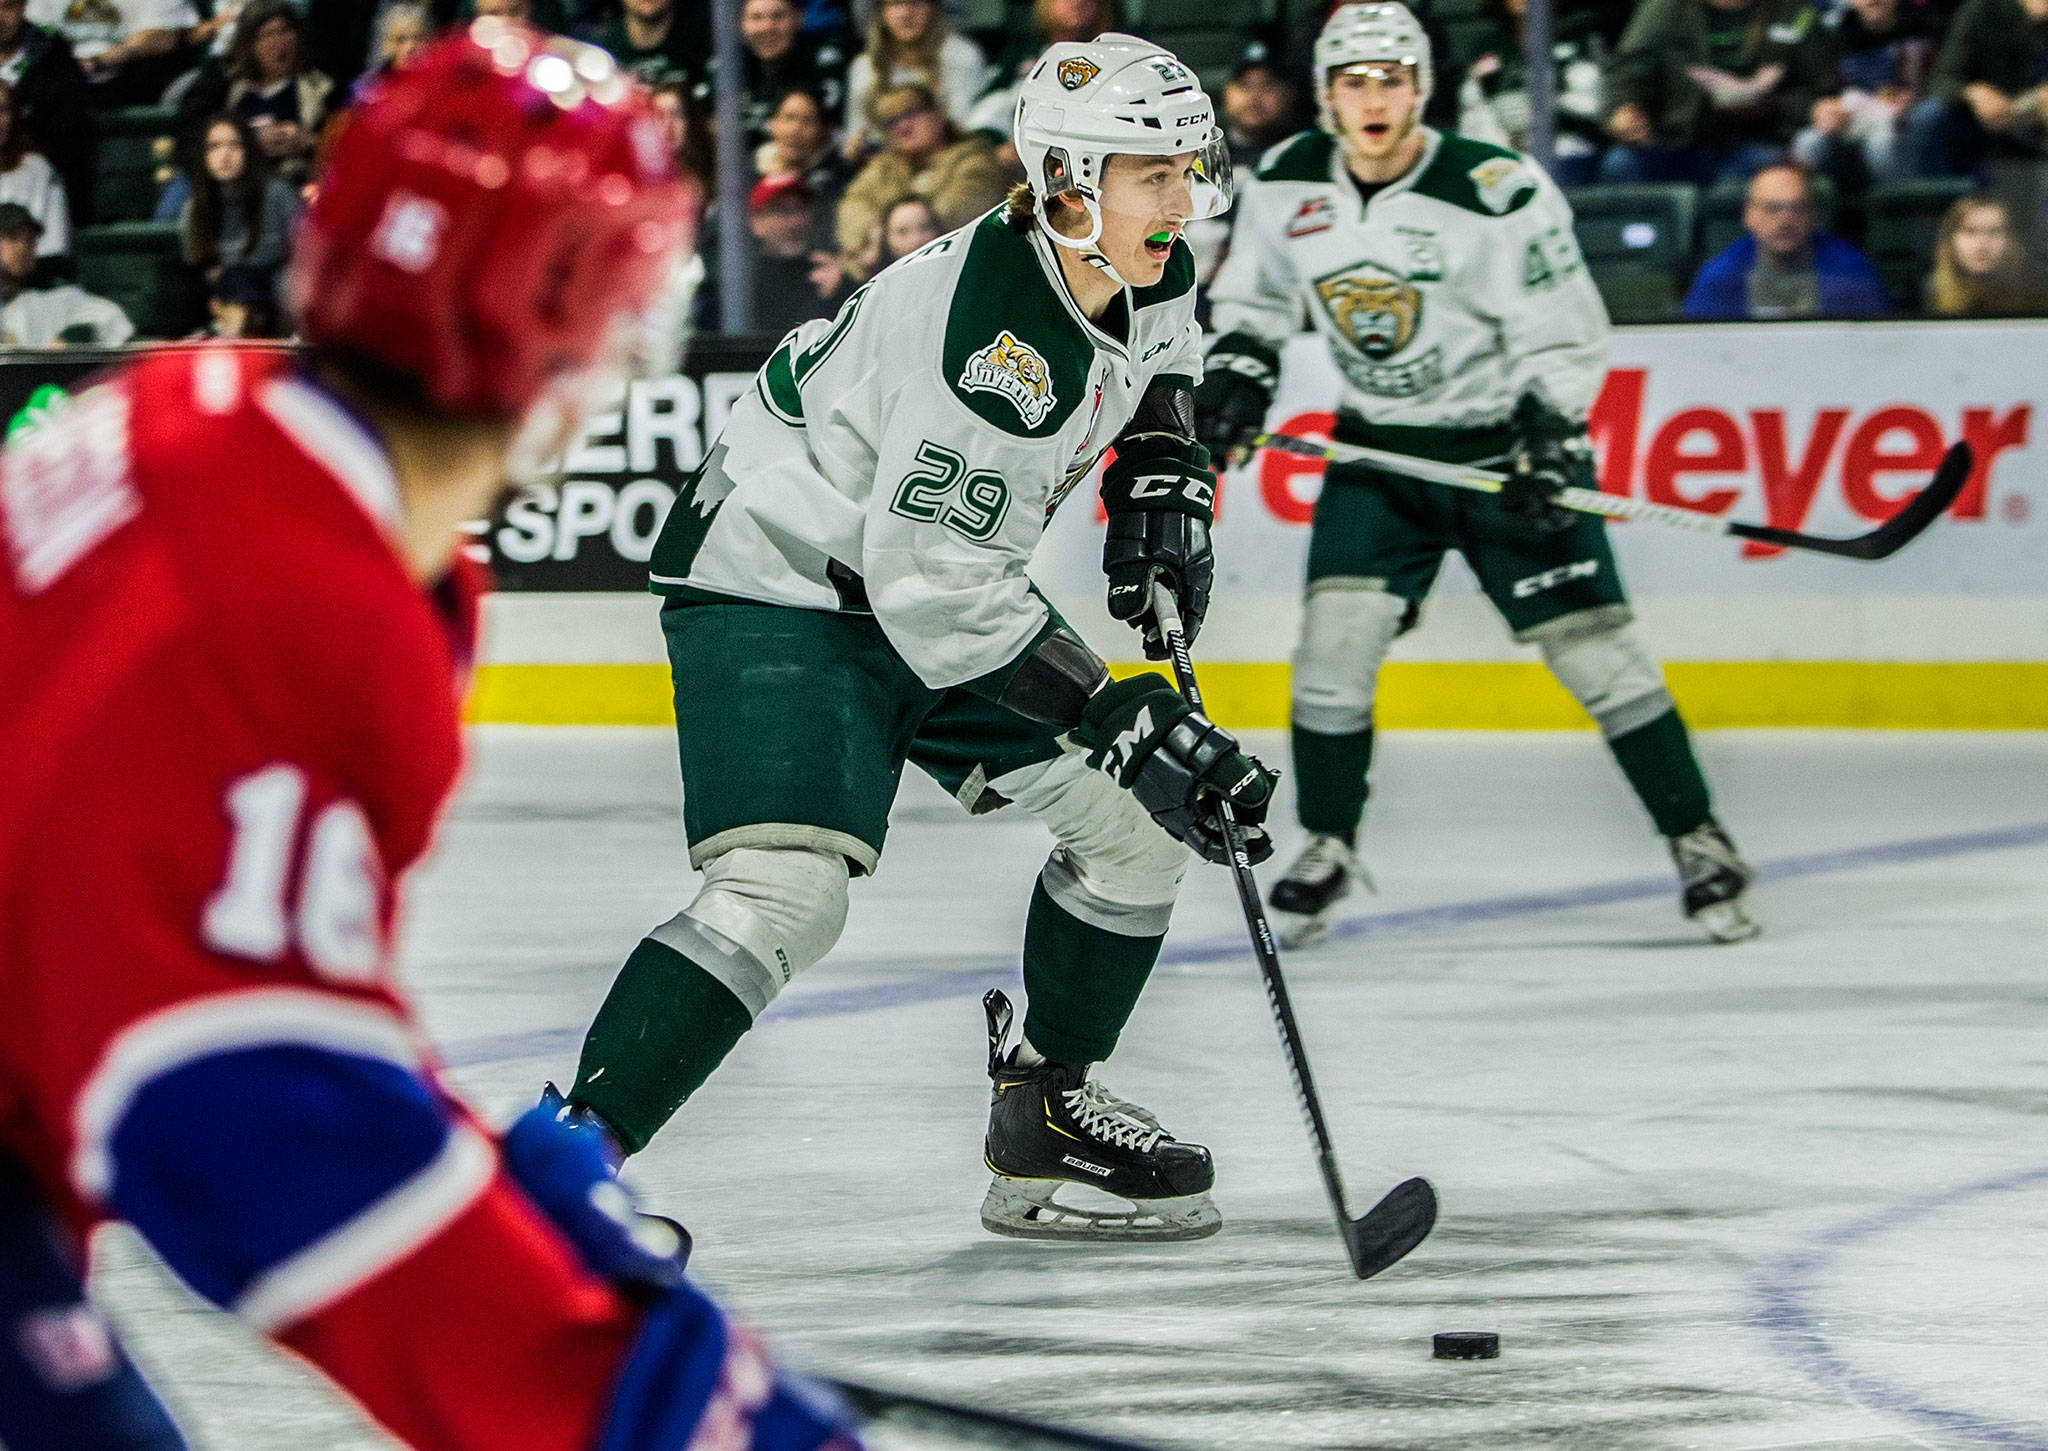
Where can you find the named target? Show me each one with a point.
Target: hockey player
(1444, 276)
(845, 591)
(233, 631)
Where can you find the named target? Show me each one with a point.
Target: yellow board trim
(1437, 694)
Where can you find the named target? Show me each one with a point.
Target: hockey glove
(1551, 453)
(1238, 381)
(1143, 735)
(1161, 499)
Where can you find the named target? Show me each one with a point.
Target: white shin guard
(763, 916)
(1605, 665)
(1114, 867)
(1347, 627)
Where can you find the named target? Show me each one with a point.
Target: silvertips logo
(1016, 372)
(1077, 72)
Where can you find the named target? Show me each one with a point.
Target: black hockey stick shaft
(1395, 1225)
(966, 1425)
(1880, 543)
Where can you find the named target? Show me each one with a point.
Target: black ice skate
(1051, 1126)
(1307, 897)
(1714, 877)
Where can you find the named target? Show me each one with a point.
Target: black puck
(1466, 1345)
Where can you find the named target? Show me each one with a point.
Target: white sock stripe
(379, 1237)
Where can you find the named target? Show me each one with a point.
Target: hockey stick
(1885, 540)
(1398, 1223)
(887, 1410)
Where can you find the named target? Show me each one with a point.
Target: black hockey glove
(1161, 499)
(1551, 453)
(1144, 736)
(1238, 380)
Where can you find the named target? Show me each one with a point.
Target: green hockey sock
(1081, 981)
(664, 1026)
(1657, 759)
(1329, 780)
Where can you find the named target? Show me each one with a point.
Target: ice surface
(1785, 1194)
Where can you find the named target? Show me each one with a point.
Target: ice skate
(1306, 898)
(1051, 1128)
(1714, 877)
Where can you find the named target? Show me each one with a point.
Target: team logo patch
(1500, 180)
(1376, 311)
(1317, 214)
(1077, 72)
(1015, 371)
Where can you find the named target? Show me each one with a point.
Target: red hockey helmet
(486, 218)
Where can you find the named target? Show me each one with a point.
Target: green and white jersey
(903, 458)
(1444, 298)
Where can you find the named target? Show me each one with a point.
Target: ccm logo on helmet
(409, 234)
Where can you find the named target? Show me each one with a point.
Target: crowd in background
(873, 126)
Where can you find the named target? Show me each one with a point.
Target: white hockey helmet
(1386, 33)
(1086, 101)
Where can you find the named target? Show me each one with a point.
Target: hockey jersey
(232, 722)
(902, 458)
(1446, 296)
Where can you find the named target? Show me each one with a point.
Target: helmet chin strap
(1086, 246)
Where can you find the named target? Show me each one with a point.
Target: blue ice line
(962, 982)
(1784, 1311)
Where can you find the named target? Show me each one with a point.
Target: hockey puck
(1466, 1345)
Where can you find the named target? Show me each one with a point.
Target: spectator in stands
(926, 154)
(243, 305)
(48, 316)
(50, 95)
(659, 41)
(402, 28)
(1051, 21)
(794, 279)
(779, 57)
(129, 49)
(274, 87)
(28, 180)
(800, 144)
(1780, 268)
(521, 10)
(687, 131)
(1980, 269)
(240, 213)
(340, 34)
(1701, 89)
(1883, 51)
(1261, 106)
(910, 44)
(906, 223)
(1493, 99)
(1989, 94)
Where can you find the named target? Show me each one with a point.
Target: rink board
(1824, 427)
(1436, 694)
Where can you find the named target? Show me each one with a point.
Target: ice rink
(1791, 1193)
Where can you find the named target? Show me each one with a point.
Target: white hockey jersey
(902, 459)
(1444, 298)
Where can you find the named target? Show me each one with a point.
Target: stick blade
(1923, 508)
(1387, 1231)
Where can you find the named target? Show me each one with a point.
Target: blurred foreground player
(233, 632)
(846, 593)
(1444, 276)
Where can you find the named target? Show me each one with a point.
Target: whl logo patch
(1016, 372)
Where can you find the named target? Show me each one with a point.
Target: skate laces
(1321, 859)
(1705, 852)
(1112, 1120)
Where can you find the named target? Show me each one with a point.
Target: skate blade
(1726, 922)
(1025, 1209)
(1296, 932)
